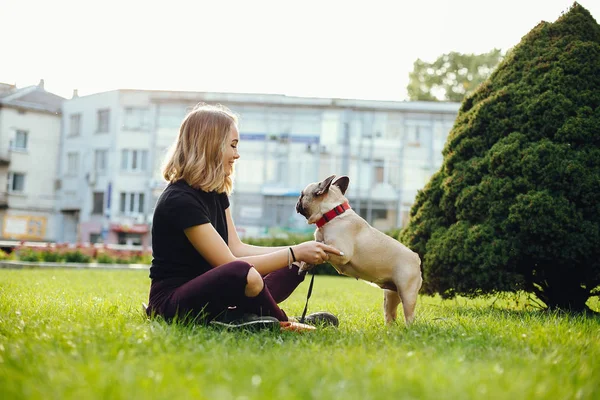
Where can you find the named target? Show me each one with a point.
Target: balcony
(70, 204)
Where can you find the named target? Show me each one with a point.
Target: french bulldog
(368, 254)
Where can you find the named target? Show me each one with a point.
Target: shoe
(249, 322)
(321, 318)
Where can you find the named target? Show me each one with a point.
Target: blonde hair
(197, 154)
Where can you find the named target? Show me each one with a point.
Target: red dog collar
(331, 214)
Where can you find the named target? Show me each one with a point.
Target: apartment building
(30, 127)
(113, 145)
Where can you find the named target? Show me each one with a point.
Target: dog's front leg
(346, 248)
(391, 299)
(319, 237)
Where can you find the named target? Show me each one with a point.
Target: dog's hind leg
(409, 291)
(390, 305)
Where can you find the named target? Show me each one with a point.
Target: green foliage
(51, 256)
(28, 254)
(516, 203)
(279, 241)
(145, 258)
(452, 76)
(80, 334)
(77, 257)
(5, 256)
(104, 258)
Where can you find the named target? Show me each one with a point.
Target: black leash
(310, 287)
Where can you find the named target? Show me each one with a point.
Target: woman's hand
(314, 252)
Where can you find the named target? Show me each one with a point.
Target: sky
(324, 48)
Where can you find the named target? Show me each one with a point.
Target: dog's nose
(299, 208)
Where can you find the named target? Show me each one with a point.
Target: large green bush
(516, 203)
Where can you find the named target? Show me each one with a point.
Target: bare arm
(241, 249)
(213, 248)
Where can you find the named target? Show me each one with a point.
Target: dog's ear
(342, 182)
(324, 186)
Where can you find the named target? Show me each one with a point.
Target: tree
(452, 76)
(516, 203)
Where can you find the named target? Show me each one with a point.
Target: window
(170, 116)
(123, 202)
(103, 121)
(96, 238)
(136, 119)
(376, 213)
(141, 202)
(72, 164)
(413, 135)
(75, 126)
(379, 174)
(131, 203)
(15, 182)
(134, 160)
(98, 203)
(20, 142)
(130, 239)
(100, 161)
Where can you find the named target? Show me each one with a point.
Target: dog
(368, 254)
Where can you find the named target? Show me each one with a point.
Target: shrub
(104, 258)
(515, 204)
(28, 254)
(51, 256)
(5, 256)
(146, 258)
(123, 260)
(77, 257)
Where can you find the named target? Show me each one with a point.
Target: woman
(200, 267)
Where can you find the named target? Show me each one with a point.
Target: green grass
(80, 334)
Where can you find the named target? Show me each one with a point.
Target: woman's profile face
(231, 154)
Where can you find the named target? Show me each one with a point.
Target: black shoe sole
(323, 319)
(253, 326)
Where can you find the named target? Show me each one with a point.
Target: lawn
(80, 334)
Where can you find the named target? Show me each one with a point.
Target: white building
(29, 147)
(114, 144)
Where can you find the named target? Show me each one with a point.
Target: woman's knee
(254, 284)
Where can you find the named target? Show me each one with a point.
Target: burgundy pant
(221, 290)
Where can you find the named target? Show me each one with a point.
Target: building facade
(30, 128)
(113, 145)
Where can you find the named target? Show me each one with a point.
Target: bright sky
(322, 48)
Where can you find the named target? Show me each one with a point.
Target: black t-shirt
(180, 207)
